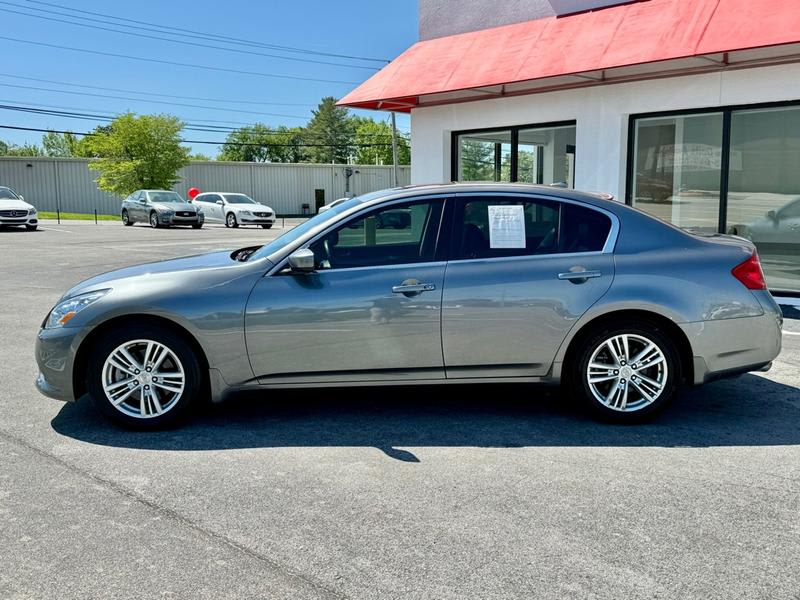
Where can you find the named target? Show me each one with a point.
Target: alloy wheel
(143, 379)
(627, 372)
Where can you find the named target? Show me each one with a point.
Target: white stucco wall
(601, 113)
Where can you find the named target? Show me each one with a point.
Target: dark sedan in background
(474, 283)
(160, 208)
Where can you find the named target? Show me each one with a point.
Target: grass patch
(77, 216)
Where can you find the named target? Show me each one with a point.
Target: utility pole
(394, 150)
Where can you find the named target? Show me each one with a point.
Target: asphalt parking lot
(399, 493)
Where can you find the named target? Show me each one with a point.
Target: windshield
(7, 194)
(239, 199)
(299, 231)
(165, 197)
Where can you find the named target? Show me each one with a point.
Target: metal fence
(68, 184)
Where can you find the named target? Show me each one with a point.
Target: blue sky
(363, 28)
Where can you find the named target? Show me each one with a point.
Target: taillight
(750, 274)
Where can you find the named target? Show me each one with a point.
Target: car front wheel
(126, 220)
(31, 227)
(626, 372)
(143, 377)
(154, 220)
(267, 226)
(230, 220)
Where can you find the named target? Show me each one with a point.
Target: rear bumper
(729, 347)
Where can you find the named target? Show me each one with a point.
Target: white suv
(234, 209)
(15, 211)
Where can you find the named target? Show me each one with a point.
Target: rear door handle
(413, 288)
(579, 276)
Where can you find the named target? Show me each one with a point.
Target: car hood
(200, 270)
(251, 207)
(175, 206)
(8, 204)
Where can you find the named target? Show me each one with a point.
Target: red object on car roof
(639, 33)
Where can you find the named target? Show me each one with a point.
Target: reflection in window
(764, 189)
(677, 165)
(547, 155)
(484, 156)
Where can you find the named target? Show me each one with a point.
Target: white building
(688, 109)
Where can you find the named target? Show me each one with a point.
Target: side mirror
(220, 202)
(302, 261)
(772, 215)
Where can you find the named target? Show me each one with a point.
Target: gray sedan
(160, 208)
(477, 283)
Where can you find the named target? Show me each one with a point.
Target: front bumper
(176, 220)
(256, 220)
(55, 355)
(29, 220)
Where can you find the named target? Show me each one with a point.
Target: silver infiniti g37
(432, 284)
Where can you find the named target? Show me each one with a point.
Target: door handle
(413, 288)
(579, 276)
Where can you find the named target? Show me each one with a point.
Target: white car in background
(234, 209)
(15, 211)
(322, 209)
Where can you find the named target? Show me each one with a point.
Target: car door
(138, 207)
(205, 202)
(522, 271)
(371, 310)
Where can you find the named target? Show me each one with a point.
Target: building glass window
(547, 155)
(528, 153)
(732, 170)
(764, 189)
(677, 163)
(484, 156)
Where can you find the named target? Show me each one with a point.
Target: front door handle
(412, 289)
(579, 276)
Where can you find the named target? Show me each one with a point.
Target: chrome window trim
(613, 232)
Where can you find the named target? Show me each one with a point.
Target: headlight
(167, 213)
(63, 312)
(245, 212)
(32, 211)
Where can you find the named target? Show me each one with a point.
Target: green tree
(24, 150)
(58, 144)
(137, 152)
(200, 156)
(373, 144)
(3, 148)
(259, 143)
(476, 160)
(330, 133)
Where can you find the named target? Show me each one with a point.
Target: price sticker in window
(507, 226)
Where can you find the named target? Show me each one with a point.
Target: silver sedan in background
(160, 208)
(476, 283)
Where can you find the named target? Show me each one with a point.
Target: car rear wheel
(230, 220)
(267, 226)
(143, 377)
(154, 220)
(126, 220)
(626, 372)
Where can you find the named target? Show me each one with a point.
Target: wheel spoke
(160, 354)
(645, 394)
(602, 378)
(624, 400)
(651, 382)
(132, 361)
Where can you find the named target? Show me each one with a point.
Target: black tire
(230, 220)
(198, 226)
(154, 220)
(193, 380)
(577, 382)
(267, 226)
(31, 227)
(126, 219)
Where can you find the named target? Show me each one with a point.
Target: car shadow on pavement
(749, 411)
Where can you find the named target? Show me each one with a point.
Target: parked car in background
(234, 209)
(778, 231)
(160, 208)
(485, 282)
(14, 211)
(333, 204)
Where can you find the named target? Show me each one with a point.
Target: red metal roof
(631, 34)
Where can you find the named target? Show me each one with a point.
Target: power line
(220, 108)
(369, 145)
(175, 63)
(218, 37)
(126, 91)
(170, 40)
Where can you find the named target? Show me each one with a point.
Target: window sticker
(507, 226)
